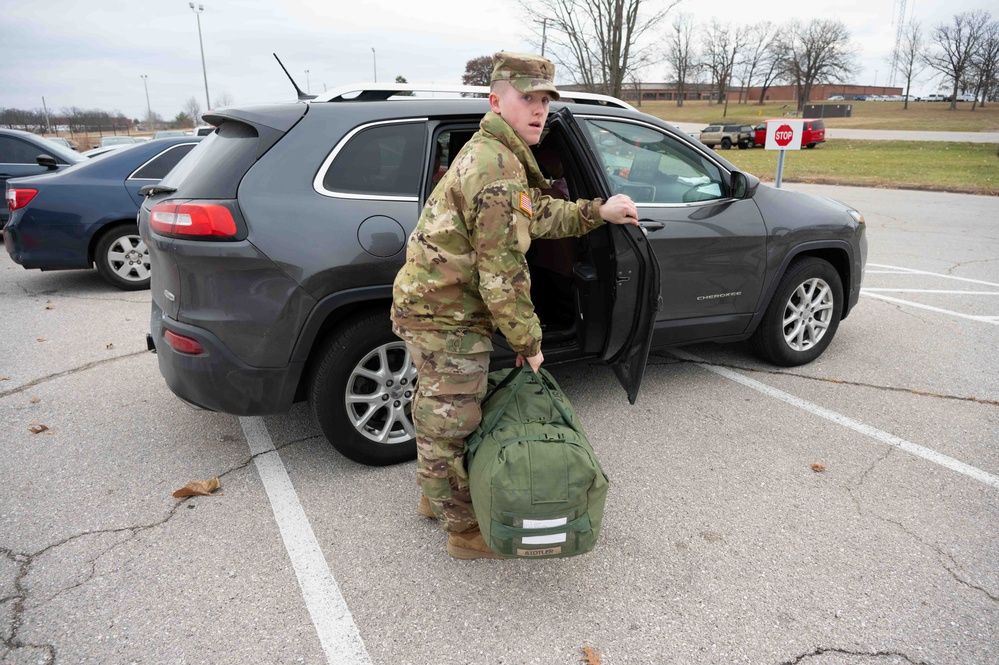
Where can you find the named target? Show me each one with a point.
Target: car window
(157, 167)
(651, 166)
(712, 128)
(16, 151)
(381, 160)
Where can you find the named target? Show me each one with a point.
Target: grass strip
(971, 168)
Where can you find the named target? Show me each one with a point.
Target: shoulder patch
(523, 202)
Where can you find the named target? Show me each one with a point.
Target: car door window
(651, 166)
(16, 151)
(378, 161)
(157, 167)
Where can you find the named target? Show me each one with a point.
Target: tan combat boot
(424, 509)
(469, 545)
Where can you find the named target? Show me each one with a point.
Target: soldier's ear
(494, 103)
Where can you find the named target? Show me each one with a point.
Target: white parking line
(338, 634)
(898, 270)
(839, 419)
(981, 319)
(938, 291)
(913, 271)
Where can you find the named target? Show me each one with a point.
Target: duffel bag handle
(518, 377)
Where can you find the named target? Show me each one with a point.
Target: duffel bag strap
(507, 532)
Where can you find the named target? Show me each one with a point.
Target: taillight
(192, 219)
(18, 198)
(183, 344)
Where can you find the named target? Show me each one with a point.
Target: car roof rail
(376, 92)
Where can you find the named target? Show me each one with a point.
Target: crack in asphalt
(62, 294)
(67, 372)
(968, 263)
(863, 478)
(859, 384)
(24, 561)
(819, 651)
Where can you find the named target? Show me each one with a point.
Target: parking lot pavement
(721, 542)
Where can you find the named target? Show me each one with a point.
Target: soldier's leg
(446, 409)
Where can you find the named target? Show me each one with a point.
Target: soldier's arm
(501, 237)
(554, 218)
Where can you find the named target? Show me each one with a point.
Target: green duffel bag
(537, 488)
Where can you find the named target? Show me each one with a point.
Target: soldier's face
(526, 112)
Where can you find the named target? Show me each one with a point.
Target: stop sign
(783, 135)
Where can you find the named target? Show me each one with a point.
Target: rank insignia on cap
(525, 204)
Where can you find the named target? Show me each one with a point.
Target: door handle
(651, 225)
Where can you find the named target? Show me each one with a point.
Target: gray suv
(274, 244)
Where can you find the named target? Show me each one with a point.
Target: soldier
(466, 276)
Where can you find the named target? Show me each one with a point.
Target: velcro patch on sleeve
(523, 201)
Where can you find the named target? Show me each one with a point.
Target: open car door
(631, 297)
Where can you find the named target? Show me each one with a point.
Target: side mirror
(743, 185)
(48, 161)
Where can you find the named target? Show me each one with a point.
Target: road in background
(723, 542)
(879, 134)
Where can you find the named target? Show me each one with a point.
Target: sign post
(783, 135)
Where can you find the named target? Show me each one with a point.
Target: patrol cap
(526, 72)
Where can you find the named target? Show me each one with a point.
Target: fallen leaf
(50, 307)
(591, 656)
(110, 346)
(39, 339)
(4, 378)
(37, 428)
(198, 487)
(36, 400)
(818, 468)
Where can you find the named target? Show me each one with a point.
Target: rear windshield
(817, 124)
(215, 167)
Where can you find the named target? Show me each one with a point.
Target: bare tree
(681, 54)
(192, 109)
(818, 52)
(760, 39)
(909, 60)
(477, 71)
(598, 41)
(772, 65)
(955, 45)
(985, 63)
(224, 99)
(722, 45)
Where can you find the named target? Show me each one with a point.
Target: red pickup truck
(813, 132)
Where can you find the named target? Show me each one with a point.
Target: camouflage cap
(525, 72)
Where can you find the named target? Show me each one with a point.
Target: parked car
(24, 153)
(813, 132)
(85, 215)
(66, 143)
(107, 141)
(274, 246)
(836, 98)
(203, 130)
(170, 133)
(728, 135)
(97, 152)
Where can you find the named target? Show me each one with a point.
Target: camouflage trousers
(446, 409)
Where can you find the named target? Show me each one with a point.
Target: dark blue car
(23, 154)
(85, 215)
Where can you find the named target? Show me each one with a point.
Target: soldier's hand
(533, 361)
(619, 209)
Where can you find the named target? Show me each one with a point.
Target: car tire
(803, 315)
(360, 391)
(726, 143)
(743, 145)
(811, 145)
(122, 258)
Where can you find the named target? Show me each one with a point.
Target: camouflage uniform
(465, 277)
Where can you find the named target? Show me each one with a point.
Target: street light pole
(308, 85)
(374, 60)
(197, 12)
(149, 109)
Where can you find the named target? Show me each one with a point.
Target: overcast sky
(92, 54)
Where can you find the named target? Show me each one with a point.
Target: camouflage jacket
(465, 273)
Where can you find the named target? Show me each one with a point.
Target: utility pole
(48, 125)
(544, 35)
(374, 60)
(204, 71)
(308, 85)
(149, 109)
